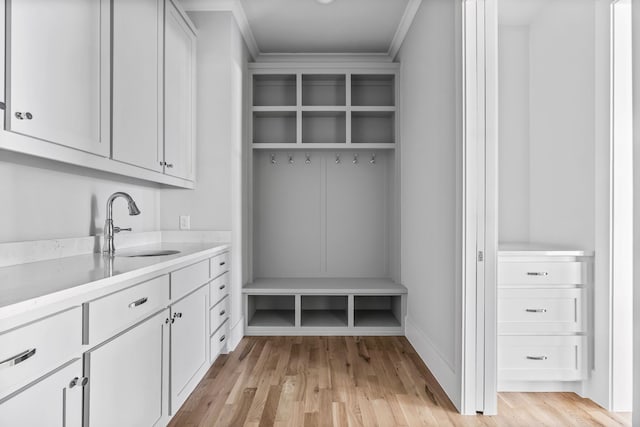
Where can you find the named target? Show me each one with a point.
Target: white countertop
(540, 249)
(35, 284)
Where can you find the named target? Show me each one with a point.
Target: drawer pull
(537, 273)
(222, 338)
(223, 312)
(222, 263)
(537, 357)
(536, 310)
(222, 287)
(12, 361)
(138, 302)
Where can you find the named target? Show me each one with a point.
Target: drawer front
(220, 264)
(189, 279)
(541, 311)
(111, 314)
(29, 352)
(218, 342)
(218, 289)
(218, 314)
(542, 273)
(541, 358)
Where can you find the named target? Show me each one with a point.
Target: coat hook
(373, 159)
(308, 159)
(273, 159)
(355, 159)
(338, 161)
(290, 159)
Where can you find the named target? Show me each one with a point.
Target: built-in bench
(324, 306)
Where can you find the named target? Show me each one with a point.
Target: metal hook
(373, 159)
(290, 159)
(355, 159)
(273, 159)
(308, 159)
(338, 161)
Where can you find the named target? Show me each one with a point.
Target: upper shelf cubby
(373, 90)
(276, 90)
(324, 90)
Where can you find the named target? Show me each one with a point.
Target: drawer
(541, 311)
(220, 264)
(218, 289)
(30, 351)
(189, 279)
(541, 358)
(542, 273)
(109, 315)
(218, 314)
(218, 342)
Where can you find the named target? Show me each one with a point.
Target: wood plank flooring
(351, 381)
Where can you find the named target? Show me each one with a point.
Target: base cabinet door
(188, 345)
(55, 400)
(126, 376)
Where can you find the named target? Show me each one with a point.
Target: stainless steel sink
(147, 253)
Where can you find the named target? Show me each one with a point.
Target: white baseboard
(236, 333)
(540, 386)
(439, 367)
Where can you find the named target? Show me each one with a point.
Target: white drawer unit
(542, 273)
(218, 341)
(29, 352)
(218, 289)
(532, 311)
(218, 315)
(108, 315)
(220, 264)
(541, 358)
(189, 279)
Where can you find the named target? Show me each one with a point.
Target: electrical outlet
(185, 222)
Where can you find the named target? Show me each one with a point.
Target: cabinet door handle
(537, 357)
(18, 358)
(536, 310)
(138, 302)
(537, 273)
(168, 165)
(177, 315)
(222, 287)
(222, 338)
(223, 312)
(222, 263)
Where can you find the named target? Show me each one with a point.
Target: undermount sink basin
(148, 253)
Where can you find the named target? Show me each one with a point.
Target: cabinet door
(58, 72)
(55, 400)
(125, 377)
(188, 344)
(137, 87)
(180, 53)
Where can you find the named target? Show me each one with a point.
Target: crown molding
(236, 9)
(403, 28)
(324, 57)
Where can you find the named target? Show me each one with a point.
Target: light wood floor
(349, 381)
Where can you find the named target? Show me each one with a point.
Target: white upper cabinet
(137, 83)
(58, 72)
(179, 95)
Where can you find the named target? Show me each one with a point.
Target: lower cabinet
(55, 400)
(189, 339)
(126, 377)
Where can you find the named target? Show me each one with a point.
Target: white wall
(42, 199)
(513, 68)
(431, 193)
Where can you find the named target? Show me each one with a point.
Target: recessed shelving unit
(373, 90)
(323, 127)
(274, 90)
(271, 311)
(323, 90)
(324, 311)
(373, 127)
(271, 127)
(377, 311)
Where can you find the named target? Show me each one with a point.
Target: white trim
(236, 333)
(433, 359)
(318, 58)
(403, 27)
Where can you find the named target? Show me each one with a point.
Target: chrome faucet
(109, 229)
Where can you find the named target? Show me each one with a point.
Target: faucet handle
(118, 229)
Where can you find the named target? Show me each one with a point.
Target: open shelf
(377, 311)
(326, 127)
(324, 89)
(372, 127)
(271, 311)
(372, 90)
(324, 311)
(274, 127)
(274, 89)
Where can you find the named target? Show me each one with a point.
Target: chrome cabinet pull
(222, 263)
(222, 338)
(222, 287)
(223, 312)
(23, 116)
(537, 357)
(537, 273)
(19, 358)
(74, 382)
(168, 165)
(177, 315)
(536, 310)
(138, 302)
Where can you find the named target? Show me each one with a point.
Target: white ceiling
(305, 26)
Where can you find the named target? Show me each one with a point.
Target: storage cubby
(373, 90)
(271, 310)
(274, 127)
(377, 311)
(274, 90)
(324, 311)
(374, 127)
(323, 127)
(323, 90)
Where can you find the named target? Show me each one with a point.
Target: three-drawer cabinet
(542, 308)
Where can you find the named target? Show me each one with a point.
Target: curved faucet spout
(109, 229)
